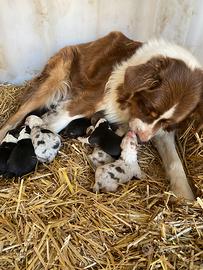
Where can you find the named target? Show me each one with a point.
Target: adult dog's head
(161, 93)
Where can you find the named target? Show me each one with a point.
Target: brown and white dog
(152, 86)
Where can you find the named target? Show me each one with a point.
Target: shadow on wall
(32, 31)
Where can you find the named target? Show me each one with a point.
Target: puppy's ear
(145, 76)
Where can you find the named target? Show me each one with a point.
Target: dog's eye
(153, 114)
(147, 109)
(166, 122)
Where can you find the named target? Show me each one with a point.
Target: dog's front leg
(165, 144)
(58, 120)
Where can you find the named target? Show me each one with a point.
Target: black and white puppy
(104, 137)
(6, 148)
(22, 159)
(76, 128)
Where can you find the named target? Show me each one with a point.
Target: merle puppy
(46, 143)
(109, 176)
(9, 143)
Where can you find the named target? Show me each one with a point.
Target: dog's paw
(183, 191)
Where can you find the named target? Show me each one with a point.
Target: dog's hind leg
(50, 87)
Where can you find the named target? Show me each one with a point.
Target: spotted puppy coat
(109, 176)
(46, 143)
(99, 157)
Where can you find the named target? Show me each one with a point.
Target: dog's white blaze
(166, 115)
(139, 126)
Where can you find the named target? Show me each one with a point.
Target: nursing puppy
(76, 128)
(153, 86)
(109, 176)
(46, 143)
(104, 137)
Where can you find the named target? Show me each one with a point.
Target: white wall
(32, 30)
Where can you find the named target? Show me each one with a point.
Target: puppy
(46, 143)
(104, 137)
(22, 159)
(6, 148)
(76, 128)
(109, 176)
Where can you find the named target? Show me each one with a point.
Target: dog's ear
(145, 76)
(199, 113)
(142, 78)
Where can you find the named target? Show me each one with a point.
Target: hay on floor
(51, 219)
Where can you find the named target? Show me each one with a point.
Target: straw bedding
(50, 219)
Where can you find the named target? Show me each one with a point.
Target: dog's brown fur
(159, 93)
(152, 88)
(79, 74)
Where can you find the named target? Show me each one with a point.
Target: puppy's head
(100, 130)
(160, 94)
(33, 121)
